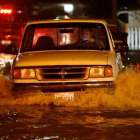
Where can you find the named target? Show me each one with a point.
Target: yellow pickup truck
(53, 58)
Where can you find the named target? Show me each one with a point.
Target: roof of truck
(68, 21)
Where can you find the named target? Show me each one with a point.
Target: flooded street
(94, 114)
(68, 123)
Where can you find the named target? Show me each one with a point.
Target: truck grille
(65, 73)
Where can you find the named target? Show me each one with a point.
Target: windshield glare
(65, 36)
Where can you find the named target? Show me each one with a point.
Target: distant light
(2, 11)
(5, 11)
(6, 42)
(125, 8)
(9, 11)
(68, 8)
(19, 11)
(6, 37)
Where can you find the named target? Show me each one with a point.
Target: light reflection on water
(68, 123)
(93, 114)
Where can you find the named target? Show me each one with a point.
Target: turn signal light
(108, 72)
(24, 74)
(17, 73)
(101, 71)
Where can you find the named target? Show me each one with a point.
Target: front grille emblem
(62, 73)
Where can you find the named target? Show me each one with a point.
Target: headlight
(97, 72)
(24, 74)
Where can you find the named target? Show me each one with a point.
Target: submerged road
(68, 123)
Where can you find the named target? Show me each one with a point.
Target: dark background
(90, 8)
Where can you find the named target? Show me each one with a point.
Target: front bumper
(62, 87)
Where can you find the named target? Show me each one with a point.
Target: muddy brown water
(68, 123)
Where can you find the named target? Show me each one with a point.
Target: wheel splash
(126, 95)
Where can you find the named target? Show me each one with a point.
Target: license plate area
(64, 95)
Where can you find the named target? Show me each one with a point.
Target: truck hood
(65, 57)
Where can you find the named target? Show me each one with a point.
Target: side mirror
(122, 48)
(10, 49)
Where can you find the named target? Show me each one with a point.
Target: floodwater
(92, 115)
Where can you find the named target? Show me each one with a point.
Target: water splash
(126, 95)
(5, 86)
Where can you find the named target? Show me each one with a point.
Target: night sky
(131, 4)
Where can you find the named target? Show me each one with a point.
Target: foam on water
(126, 95)
(5, 86)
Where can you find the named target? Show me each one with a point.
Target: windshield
(65, 36)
